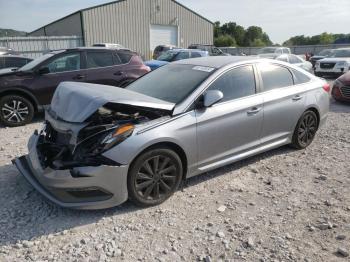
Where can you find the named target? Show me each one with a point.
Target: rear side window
(195, 54)
(236, 83)
(299, 77)
(99, 59)
(15, 62)
(274, 76)
(124, 57)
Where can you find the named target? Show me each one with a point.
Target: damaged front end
(66, 161)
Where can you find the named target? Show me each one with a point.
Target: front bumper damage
(94, 187)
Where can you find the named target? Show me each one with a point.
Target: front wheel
(16, 110)
(154, 176)
(305, 130)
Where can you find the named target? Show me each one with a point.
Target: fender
(25, 92)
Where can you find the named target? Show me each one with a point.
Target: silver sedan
(102, 145)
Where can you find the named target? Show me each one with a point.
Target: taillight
(326, 87)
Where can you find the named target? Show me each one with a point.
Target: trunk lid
(75, 102)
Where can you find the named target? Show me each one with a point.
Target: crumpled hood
(75, 102)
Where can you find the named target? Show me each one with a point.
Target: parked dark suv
(28, 89)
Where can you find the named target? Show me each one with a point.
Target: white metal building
(140, 25)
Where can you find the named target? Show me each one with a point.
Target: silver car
(297, 61)
(102, 145)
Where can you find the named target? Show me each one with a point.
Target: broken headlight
(103, 141)
(117, 136)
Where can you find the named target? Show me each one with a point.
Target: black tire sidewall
(295, 141)
(135, 166)
(24, 100)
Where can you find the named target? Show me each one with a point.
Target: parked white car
(335, 64)
(273, 50)
(296, 60)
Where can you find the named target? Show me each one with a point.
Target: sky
(280, 19)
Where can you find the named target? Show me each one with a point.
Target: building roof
(109, 3)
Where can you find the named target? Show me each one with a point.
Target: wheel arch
(316, 111)
(18, 91)
(173, 146)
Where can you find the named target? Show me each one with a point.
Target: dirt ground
(284, 205)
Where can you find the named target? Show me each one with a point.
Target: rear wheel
(16, 110)
(154, 176)
(305, 130)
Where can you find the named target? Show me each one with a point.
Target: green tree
(224, 40)
(326, 38)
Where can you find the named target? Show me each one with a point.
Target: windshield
(266, 50)
(341, 53)
(325, 52)
(172, 83)
(167, 56)
(35, 62)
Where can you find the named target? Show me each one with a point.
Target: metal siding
(68, 26)
(128, 23)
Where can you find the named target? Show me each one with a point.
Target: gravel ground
(284, 205)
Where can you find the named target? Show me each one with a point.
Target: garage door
(163, 35)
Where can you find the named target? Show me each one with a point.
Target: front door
(232, 126)
(65, 67)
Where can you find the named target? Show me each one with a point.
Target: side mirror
(43, 70)
(211, 97)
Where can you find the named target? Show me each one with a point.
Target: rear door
(283, 102)
(233, 125)
(103, 67)
(62, 67)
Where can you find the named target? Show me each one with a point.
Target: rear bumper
(79, 188)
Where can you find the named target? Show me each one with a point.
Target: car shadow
(26, 215)
(238, 165)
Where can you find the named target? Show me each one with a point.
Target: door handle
(297, 98)
(254, 110)
(119, 73)
(79, 77)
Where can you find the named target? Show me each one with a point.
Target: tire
(305, 130)
(148, 188)
(16, 110)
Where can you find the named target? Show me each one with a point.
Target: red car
(341, 88)
(28, 89)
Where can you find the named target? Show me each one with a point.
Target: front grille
(325, 65)
(345, 90)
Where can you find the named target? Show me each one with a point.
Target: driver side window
(236, 83)
(65, 63)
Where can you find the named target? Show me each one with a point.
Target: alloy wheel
(307, 129)
(156, 178)
(15, 111)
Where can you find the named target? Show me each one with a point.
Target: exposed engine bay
(83, 144)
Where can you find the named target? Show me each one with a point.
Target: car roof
(87, 48)
(215, 61)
